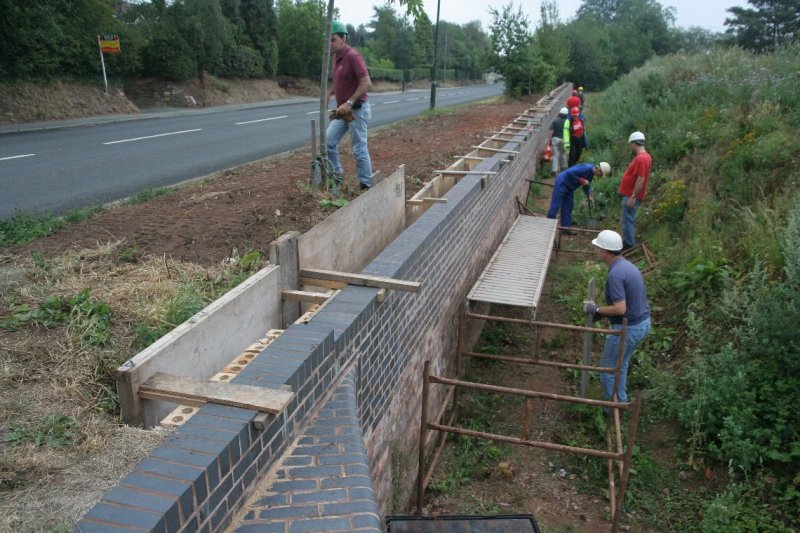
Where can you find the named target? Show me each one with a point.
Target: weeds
(54, 432)
(146, 195)
(88, 319)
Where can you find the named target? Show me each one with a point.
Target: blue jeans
(358, 134)
(635, 335)
(628, 221)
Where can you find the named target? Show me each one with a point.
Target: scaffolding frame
(615, 453)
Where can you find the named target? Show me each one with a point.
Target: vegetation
(722, 216)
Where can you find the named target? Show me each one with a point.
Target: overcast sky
(709, 14)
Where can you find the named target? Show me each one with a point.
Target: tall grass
(722, 216)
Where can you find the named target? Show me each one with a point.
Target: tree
(552, 40)
(300, 29)
(423, 40)
(771, 24)
(513, 55)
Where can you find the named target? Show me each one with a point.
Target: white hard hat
(608, 240)
(637, 137)
(605, 168)
(563, 111)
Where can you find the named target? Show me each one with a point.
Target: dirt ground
(249, 206)
(190, 230)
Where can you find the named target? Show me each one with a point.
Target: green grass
(146, 195)
(55, 431)
(22, 227)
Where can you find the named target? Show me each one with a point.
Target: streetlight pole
(435, 47)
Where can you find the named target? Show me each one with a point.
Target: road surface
(62, 168)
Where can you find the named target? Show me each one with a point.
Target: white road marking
(392, 102)
(261, 120)
(16, 157)
(412, 99)
(153, 136)
(313, 113)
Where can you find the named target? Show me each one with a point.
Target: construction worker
(574, 135)
(633, 187)
(626, 297)
(565, 186)
(557, 142)
(350, 84)
(581, 96)
(574, 100)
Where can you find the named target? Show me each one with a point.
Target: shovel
(592, 221)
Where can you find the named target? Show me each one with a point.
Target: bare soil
(249, 206)
(131, 256)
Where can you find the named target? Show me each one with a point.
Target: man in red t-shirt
(633, 186)
(350, 84)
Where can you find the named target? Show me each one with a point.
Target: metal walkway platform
(515, 274)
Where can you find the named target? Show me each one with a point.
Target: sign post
(110, 45)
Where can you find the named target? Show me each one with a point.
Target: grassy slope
(722, 217)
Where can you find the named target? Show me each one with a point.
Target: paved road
(60, 166)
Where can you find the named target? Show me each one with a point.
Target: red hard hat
(575, 111)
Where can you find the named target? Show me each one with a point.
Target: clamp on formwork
(512, 278)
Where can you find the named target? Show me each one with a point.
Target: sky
(709, 14)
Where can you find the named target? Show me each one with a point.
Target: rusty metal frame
(622, 457)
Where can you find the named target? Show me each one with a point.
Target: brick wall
(356, 351)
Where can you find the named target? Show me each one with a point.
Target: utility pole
(435, 46)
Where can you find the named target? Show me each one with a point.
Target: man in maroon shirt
(633, 187)
(350, 84)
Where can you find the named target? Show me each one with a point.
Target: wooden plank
(328, 284)
(361, 279)
(498, 150)
(382, 295)
(190, 391)
(463, 172)
(306, 296)
(435, 200)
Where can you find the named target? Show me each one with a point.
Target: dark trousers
(575, 149)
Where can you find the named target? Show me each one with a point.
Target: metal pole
(423, 422)
(323, 84)
(587, 343)
(626, 461)
(435, 47)
(103, 64)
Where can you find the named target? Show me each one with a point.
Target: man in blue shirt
(567, 183)
(626, 297)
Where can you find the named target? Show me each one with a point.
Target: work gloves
(590, 308)
(347, 116)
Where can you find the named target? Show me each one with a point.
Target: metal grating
(516, 272)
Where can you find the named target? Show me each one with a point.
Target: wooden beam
(382, 295)
(306, 296)
(514, 128)
(193, 391)
(465, 172)
(498, 150)
(328, 284)
(361, 279)
(423, 201)
(469, 157)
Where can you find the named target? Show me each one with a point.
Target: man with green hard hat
(350, 84)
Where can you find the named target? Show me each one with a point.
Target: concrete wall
(311, 459)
